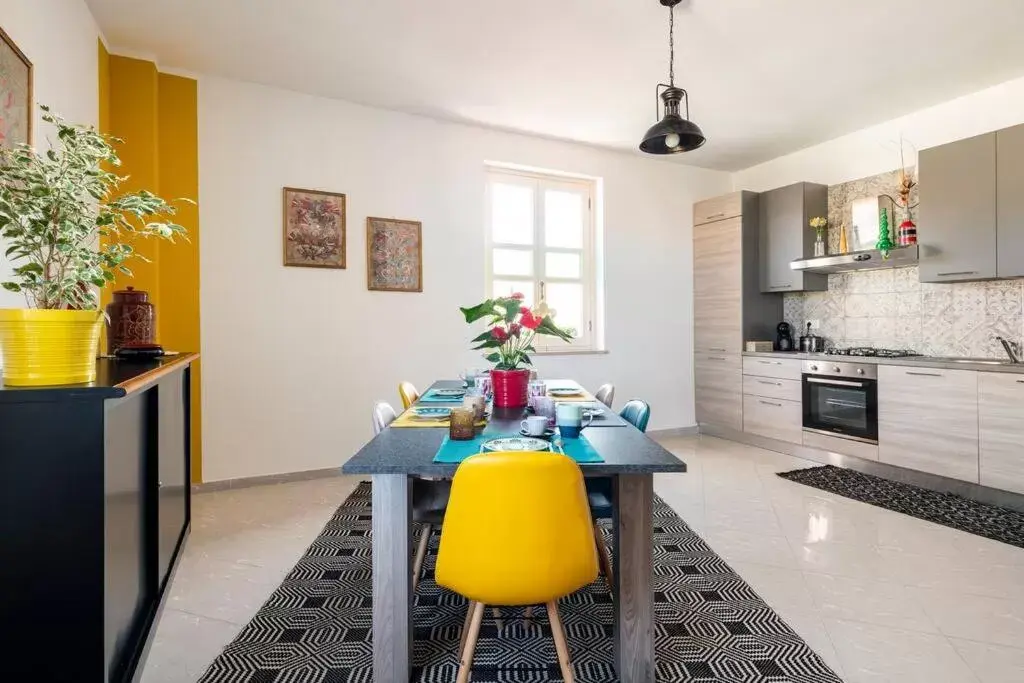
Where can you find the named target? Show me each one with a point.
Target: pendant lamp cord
(672, 46)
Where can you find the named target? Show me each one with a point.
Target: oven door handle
(834, 382)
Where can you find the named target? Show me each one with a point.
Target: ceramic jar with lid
(131, 319)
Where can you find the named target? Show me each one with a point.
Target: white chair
(429, 497)
(606, 394)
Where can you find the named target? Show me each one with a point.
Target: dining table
(629, 458)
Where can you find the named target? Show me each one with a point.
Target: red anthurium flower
(530, 321)
(514, 329)
(517, 295)
(524, 310)
(499, 334)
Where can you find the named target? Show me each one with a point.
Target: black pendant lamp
(673, 134)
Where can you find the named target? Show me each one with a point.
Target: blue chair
(599, 489)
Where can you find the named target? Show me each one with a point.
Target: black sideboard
(94, 512)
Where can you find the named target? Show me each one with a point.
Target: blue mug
(569, 418)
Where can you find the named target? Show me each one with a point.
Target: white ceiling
(766, 77)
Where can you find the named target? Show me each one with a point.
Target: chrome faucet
(1012, 349)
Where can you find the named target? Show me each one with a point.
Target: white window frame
(588, 339)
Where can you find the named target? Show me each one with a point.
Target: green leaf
(474, 313)
(481, 337)
(493, 357)
(11, 286)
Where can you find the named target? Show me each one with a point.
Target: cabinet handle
(774, 384)
(769, 403)
(783, 286)
(1020, 381)
(714, 349)
(960, 272)
(925, 374)
(715, 215)
(715, 358)
(770, 362)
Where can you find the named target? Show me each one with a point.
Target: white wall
(293, 358)
(59, 38)
(875, 150)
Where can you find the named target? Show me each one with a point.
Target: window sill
(575, 352)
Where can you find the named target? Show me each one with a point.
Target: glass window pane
(511, 213)
(509, 287)
(563, 219)
(567, 301)
(561, 265)
(513, 262)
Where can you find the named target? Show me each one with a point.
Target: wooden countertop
(115, 378)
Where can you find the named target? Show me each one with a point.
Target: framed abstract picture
(394, 255)
(314, 228)
(15, 94)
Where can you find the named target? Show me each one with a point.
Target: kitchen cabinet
(957, 215)
(769, 387)
(781, 368)
(1010, 202)
(1001, 430)
(718, 389)
(773, 418)
(728, 306)
(928, 420)
(786, 236)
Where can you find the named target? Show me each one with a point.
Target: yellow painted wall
(156, 116)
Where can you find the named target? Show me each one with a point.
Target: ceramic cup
(477, 404)
(569, 418)
(545, 407)
(535, 425)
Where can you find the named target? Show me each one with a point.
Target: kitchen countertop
(918, 361)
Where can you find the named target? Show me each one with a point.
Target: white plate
(565, 392)
(516, 443)
(431, 412)
(449, 392)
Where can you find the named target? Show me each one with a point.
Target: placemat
(453, 452)
(409, 419)
(432, 397)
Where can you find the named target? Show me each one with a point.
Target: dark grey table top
(411, 450)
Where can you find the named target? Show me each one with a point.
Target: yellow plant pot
(43, 348)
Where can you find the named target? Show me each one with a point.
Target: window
(541, 242)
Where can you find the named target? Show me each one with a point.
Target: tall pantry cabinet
(728, 306)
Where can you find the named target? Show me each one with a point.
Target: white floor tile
(875, 654)
(743, 546)
(184, 645)
(992, 663)
(869, 600)
(989, 620)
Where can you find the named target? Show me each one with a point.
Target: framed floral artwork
(394, 255)
(314, 228)
(15, 94)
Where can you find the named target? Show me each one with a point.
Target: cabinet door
(928, 420)
(1010, 202)
(786, 236)
(718, 208)
(718, 389)
(773, 418)
(957, 226)
(1001, 430)
(717, 279)
(172, 470)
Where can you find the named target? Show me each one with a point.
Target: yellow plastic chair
(408, 393)
(517, 532)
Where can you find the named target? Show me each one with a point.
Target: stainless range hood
(870, 259)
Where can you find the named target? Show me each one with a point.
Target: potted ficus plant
(511, 330)
(67, 232)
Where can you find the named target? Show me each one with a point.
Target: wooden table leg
(392, 578)
(633, 595)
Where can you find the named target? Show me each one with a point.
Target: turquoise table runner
(454, 452)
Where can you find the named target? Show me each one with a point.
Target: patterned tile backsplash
(893, 309)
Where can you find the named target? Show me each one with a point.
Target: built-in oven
(841, 399)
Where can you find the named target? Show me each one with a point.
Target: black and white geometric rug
(710, 625)
(947, 509)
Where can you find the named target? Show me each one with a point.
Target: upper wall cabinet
(1010, 202)
(786, 236)
(958, 211)
(718, 208)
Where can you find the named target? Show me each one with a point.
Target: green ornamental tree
(66, 227)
